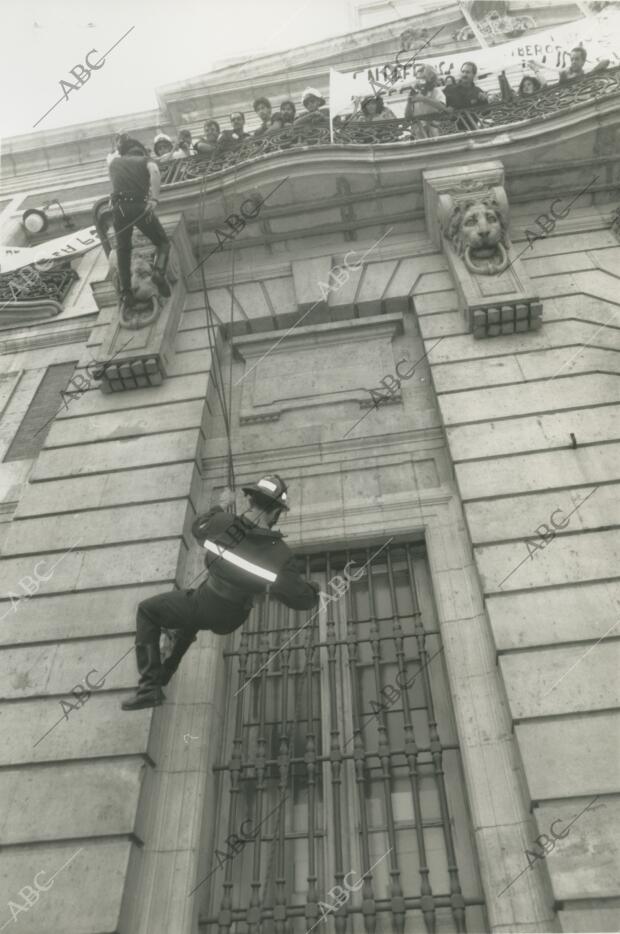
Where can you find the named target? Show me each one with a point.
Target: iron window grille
(325, 772)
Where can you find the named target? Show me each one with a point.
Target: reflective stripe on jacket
(251, 559)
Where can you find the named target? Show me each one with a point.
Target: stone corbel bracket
(138, 357)
(468, 217)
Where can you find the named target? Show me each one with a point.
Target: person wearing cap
(245, 557)
(135, 195)
(162, 148)
(316, 114)
(207, 144)
(262, 109)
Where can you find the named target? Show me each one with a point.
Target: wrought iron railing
(546, 103)
(28, 284)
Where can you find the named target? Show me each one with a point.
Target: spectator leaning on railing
(231, 138)
(162, 148)
(425, 98)
(372, 109)
(465, 94)
(316, 114)
(288, 111)
(575, 70)
(532, 84)
(262, 108)
(183, 147)
(276, 124)
(207, 145)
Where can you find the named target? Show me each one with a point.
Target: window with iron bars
(340, 803)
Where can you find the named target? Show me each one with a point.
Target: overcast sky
(170, 41)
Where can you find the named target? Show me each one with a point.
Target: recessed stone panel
(315, 366)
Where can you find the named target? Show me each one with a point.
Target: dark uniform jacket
(254, 559)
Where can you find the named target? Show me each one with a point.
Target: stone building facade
(479, 493)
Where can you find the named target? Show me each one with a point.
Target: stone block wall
(486, 423)
(531, 423)
(103, 516)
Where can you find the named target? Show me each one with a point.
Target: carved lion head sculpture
(477, 227)
(146, 293)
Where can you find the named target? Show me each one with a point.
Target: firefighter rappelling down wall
(245, 557)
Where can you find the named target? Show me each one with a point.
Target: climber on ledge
(135, 194)
(245, 557)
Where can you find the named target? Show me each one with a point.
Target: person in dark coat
(245, 557)
(465, 94)
(230, 139)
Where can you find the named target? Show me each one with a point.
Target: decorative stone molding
(312, 366)
(468, 216)
(138, 349)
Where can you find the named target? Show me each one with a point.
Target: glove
(227, 497)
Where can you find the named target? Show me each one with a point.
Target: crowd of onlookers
(430, 94)
(216, 141)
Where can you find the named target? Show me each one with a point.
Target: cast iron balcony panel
(29, 285)
(547, 103)
(333, 776)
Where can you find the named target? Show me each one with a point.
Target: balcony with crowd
(433, 104)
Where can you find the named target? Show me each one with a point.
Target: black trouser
(187, 612)
(126, 215)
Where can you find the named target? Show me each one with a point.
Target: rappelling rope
(218, 379)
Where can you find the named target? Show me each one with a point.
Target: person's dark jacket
(262, 548)
(230, 139)
(462, 96)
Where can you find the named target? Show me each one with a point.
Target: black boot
(170, 664)
(149, 692)
(159, 271)
(127, 301)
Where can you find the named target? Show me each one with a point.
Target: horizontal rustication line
(528, 451)
(96, 545)
(539, 490)
(533, 412)
(110, 470)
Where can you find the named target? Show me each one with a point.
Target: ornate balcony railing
(547, 102)
(31, 285)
